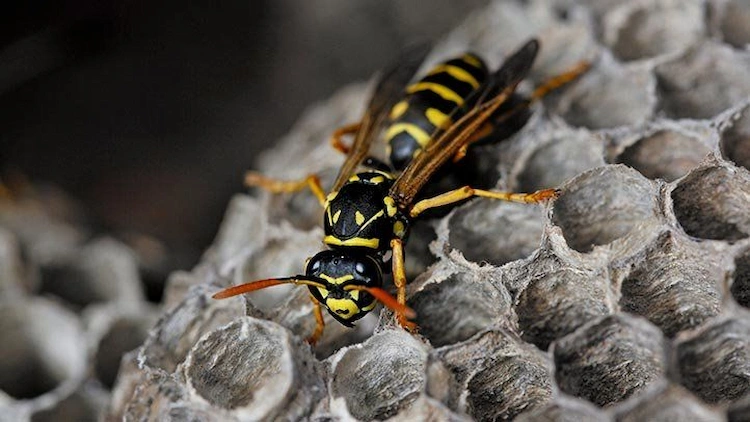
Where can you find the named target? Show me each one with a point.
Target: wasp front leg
(255, 179)
(467, 192)
(399, 279)
(319, 322)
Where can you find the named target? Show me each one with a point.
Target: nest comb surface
(625, 299)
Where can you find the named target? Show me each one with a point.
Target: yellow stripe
(390, 206)
(415, 131)
(440, 90)
(359, 218)
(398, 110)
(457, 73)
(437, 118)
(468, 58)
(338, 280)
(357, 241)
(336, 216)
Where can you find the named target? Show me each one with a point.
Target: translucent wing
(484, 102)
(388, 91)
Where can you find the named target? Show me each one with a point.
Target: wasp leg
(337, 143)
(319, 322)
(466, 192)
(254, 179)
(557, 81)
(399, 279)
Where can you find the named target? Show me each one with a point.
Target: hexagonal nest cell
(625, 298)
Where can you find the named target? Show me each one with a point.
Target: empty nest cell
(557, 302)
(712, 203)
(263, 371)
(501, 376)
(603, 205)
(609, 96)
(610, 360)
(564, 155)
(496, 231)
(676, 286)
(708, 79)
(453, 310)
(43, 346)
(733, 23)
(652, 28)
(377, 379)
(735, 140)
(665, 154)
(714, 362)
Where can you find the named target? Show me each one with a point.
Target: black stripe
(423, 100)
(463, 89)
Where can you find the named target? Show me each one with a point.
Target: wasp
(367, 214)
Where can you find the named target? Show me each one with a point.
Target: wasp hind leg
(399, 279)
(467, 192)
(255, 179)
(558, 81)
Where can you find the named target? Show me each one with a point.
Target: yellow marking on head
(472, 60)
(398, 110)
(336, 216)
(356, 241)
(370, 306)
(441, 90)
(437, 118)
(344, 308)
(359, 218)
(416, 153)
(415, 131)
(354, 178)
(399, 229)
(338, 280)
(457, 73)
(390, 206)
(323, 292)
(354, 294)
(377, 180)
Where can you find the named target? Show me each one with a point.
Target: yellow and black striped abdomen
(428, 103)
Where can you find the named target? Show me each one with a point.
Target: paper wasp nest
(626, 299)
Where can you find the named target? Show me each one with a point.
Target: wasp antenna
(386, 299)
(262, 284)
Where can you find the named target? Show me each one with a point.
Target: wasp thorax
(362, 215)
(339, 271)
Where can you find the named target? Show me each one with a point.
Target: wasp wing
(388, 91)
(483, 102)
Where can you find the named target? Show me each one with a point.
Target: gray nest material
(625, 299)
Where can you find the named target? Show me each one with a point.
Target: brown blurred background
(149, 112)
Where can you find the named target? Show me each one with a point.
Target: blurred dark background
(149, 112)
